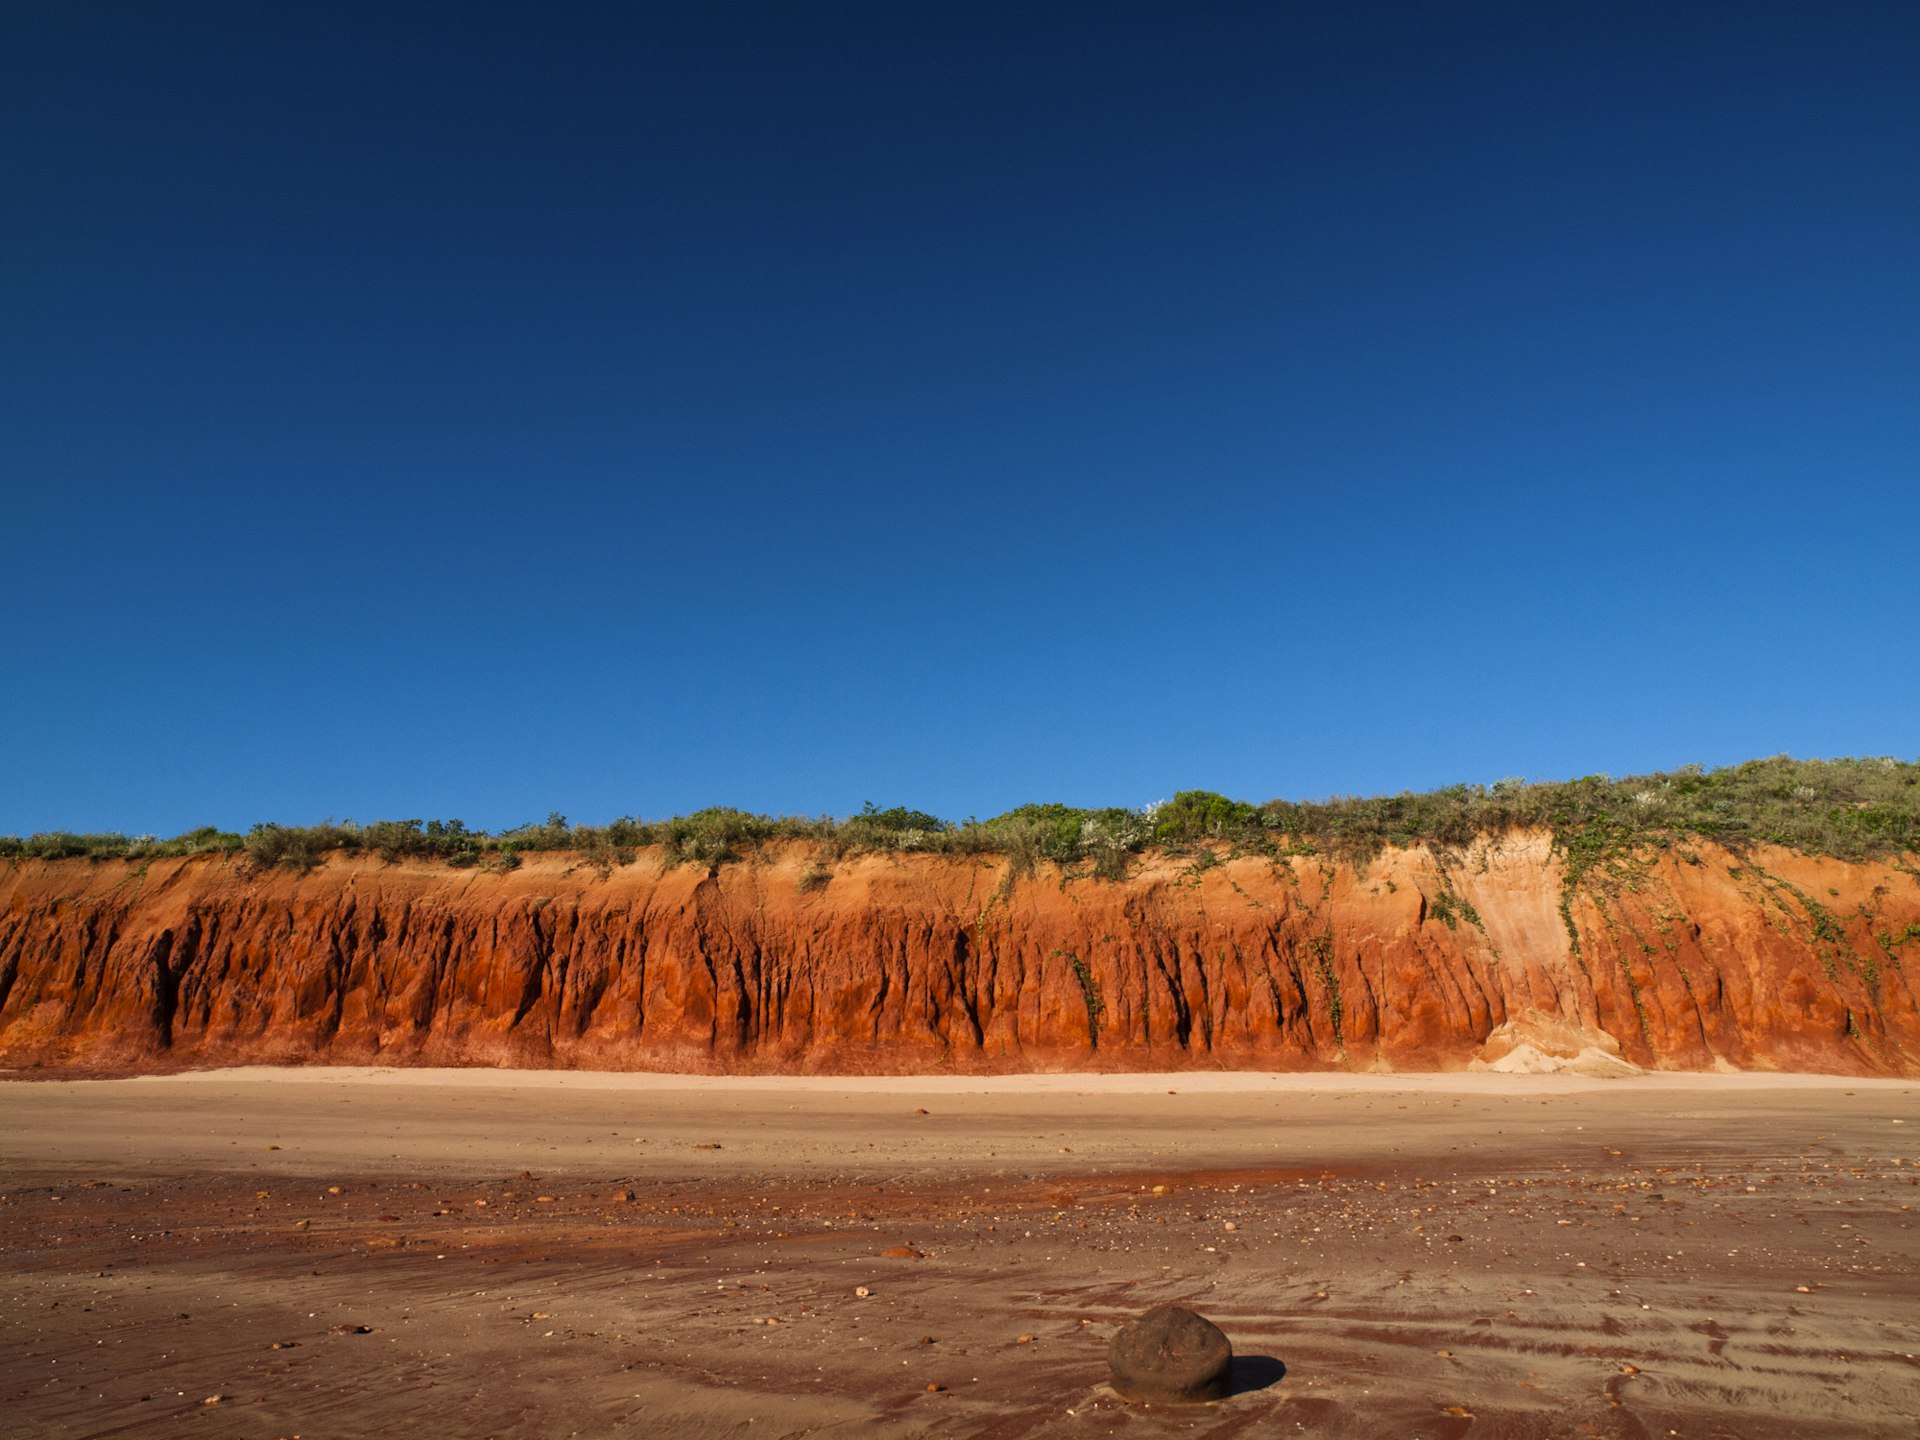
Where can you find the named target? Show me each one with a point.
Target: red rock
(907, 963)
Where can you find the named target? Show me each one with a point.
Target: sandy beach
(531, 1254)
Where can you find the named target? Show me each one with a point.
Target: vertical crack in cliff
(166, 996)
(599, 952)
(340, 947)
(1150, 935)
(1368, 1028)
(533, 967)
(703, 953)
(557, 970)
(432, 992)
(12, 942)
(963, 985)
(641, 930)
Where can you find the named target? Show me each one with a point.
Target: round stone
(1171, 1356)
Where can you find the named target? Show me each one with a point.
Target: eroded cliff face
(1688, 958)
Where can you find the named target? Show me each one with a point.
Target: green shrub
(1034, 832)
(63, 844)
(1196, 815)
(714, 835)
(298, 847)
(397, 838)
(200, 841)
(554, 834)
(1848, 808)
(630, 833)
(898, 828)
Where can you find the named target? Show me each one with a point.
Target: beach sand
(307, 1252)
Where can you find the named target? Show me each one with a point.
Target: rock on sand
(1170, 1356)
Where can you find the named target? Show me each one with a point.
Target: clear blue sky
(479, 410)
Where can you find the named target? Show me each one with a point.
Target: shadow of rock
(1254, 1372)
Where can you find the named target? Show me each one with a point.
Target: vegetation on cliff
(1846, 808)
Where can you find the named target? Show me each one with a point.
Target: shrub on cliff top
(1032, 833)
(63, 844)
(296, 846)
(112, 845)
(896, 828)
(1196, 815)
(1846, 808)
(715, 834)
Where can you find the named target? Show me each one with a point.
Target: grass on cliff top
(1852, 809)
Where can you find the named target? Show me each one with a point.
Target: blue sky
(481, 410)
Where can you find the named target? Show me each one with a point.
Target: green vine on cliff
(1321, 947)
(1096, 1007)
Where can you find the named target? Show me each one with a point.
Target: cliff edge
(1685, 957)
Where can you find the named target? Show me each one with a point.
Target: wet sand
(488, 1253)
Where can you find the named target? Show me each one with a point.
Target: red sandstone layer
(1688, 958)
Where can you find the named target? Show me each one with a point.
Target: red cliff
(1684, 958)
